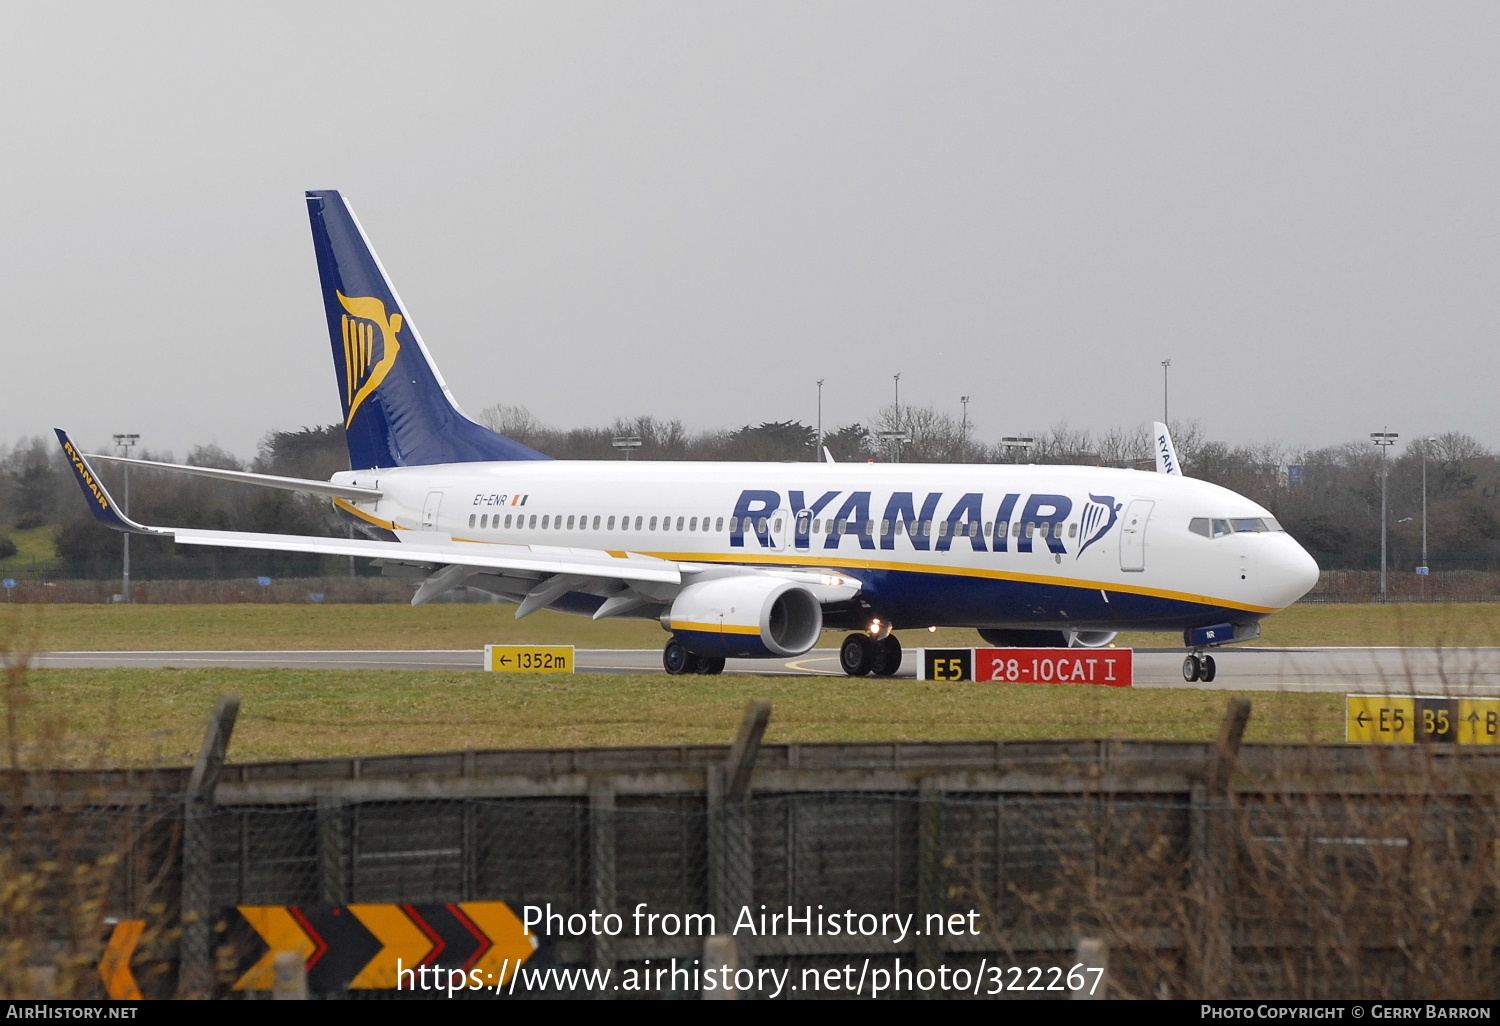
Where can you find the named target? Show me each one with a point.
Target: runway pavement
(1469, 671)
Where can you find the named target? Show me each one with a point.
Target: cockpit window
(1215, 528)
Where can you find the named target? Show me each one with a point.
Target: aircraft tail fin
(398, 411)
(1166, 452)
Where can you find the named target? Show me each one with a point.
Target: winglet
(100, 503)
(1166, 452)
(828, 456)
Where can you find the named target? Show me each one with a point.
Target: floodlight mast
(1384, 439)
(123, 444)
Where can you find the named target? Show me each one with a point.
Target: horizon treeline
(1328, 498)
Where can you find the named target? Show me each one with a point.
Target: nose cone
(1287, 570)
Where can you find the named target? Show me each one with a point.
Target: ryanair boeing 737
(753, 559)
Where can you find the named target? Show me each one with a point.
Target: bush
(28, 521)
(7, 547)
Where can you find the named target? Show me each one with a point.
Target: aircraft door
(430, 511)
(781, 526)
(1133, 535)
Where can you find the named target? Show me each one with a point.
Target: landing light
(932, 630)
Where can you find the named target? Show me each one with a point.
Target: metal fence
(1206, 869)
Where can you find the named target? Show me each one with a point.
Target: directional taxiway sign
(529, 658)
(1396, 719)
(361, 947)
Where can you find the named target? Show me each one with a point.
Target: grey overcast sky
(696, 210)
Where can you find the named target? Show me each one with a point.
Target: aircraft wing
(533, 575)
(291, 484)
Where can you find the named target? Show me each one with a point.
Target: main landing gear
(677, 660)
(861, 654)
(1198, 667)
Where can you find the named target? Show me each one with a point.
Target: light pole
(897, 435)
(123, 445)
(1423, 568)
(1164, 365)
(818, 456)
(1384, 439)
(964, 430)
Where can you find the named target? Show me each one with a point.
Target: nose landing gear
(1199, 667)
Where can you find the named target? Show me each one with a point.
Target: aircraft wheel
(1190, 668)
(710, 665)
(677, 660)
(857, 655)
(1206, 674)
(887, 657)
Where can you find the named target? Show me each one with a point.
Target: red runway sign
(1114, 667)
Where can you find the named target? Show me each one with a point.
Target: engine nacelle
(754, 617)
(1017, 637)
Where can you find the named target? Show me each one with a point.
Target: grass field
(35, 551)
(71, 628)
(155, 717)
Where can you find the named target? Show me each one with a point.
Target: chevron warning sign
(361, 947)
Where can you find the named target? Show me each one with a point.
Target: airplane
(752, 559)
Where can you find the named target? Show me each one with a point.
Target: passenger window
(817, 527)
(778, 525)
(734, 524)
(611, 525)
(927, 529)
(973, 529)
(693, 524)
(596, 523)
(1072, 530)
(1199, 525)
(989, 525)
(532, 524)
(1030, 529)
(760, 528)
(544, 522)
(720, 524)
(471, 519)
(570, 523)
(507, 520)
(653, 523)
(943, 529)
(637, 523)
(679, 523)
(1016, 529)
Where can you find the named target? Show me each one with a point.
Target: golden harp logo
(370, 348)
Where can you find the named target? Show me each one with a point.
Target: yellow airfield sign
(1410, 719)
(528, 658)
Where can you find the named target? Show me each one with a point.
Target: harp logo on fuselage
(370, 349)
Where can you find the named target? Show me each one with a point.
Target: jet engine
(745, 616)
(1015, 637)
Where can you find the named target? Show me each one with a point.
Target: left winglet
(101, 504)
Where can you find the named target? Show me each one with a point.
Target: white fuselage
(933, 544)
